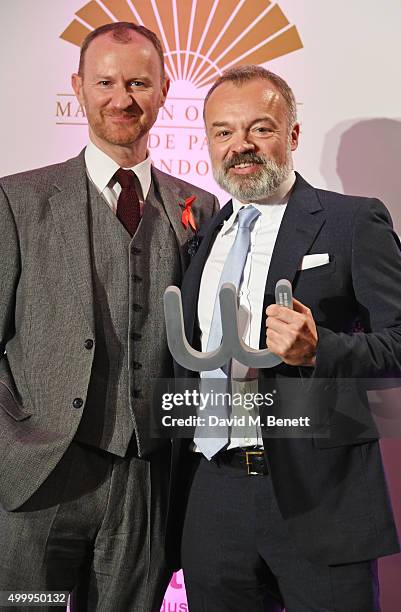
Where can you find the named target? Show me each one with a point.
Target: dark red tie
(128, 208)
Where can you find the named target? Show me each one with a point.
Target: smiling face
(122, 90)
(250, 141)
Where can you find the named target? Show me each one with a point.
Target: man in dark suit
(87, 248)
(293, 519)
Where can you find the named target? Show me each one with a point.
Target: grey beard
(253, 188)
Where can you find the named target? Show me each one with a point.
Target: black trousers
(238, 556)
(96, 526)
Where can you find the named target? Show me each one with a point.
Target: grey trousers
(96, 526)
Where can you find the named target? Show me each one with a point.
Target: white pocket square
(312, 261)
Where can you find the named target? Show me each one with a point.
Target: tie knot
(126, 178)
(247, 215)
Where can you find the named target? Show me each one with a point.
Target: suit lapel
(191, 284)
(70, 211)
(302, 221)
(172, 195)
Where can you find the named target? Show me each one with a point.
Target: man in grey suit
(87, 249)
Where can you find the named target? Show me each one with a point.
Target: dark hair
(121, 32)
(244, 74)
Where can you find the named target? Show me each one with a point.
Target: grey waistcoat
(129, 277)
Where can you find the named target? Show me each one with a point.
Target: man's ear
(76, 82)
(164, 92)
(295, 136)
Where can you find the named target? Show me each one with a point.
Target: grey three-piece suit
(81, 337)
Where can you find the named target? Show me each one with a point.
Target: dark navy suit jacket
(330, 486)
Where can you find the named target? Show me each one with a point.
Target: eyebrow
(105, 76)
(226, 123)
(102, 77)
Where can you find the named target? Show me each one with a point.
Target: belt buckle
(248, 459)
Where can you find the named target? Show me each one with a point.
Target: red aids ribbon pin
(187, 216)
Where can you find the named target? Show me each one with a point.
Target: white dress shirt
(252, 288)
(101, 169)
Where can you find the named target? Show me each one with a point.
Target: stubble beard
(252, 188)
(119, 135)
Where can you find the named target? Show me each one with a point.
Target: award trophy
(232, 346)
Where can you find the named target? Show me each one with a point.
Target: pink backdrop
(350, 118)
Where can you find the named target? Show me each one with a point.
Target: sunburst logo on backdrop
(201, 38)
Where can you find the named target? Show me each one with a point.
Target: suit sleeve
(9, 271)
(376, 277)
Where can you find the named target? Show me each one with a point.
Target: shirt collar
(279, 198)
(101, 169)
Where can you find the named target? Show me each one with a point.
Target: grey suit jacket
(46, 313)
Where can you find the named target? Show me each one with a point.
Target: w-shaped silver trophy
(232, 345)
